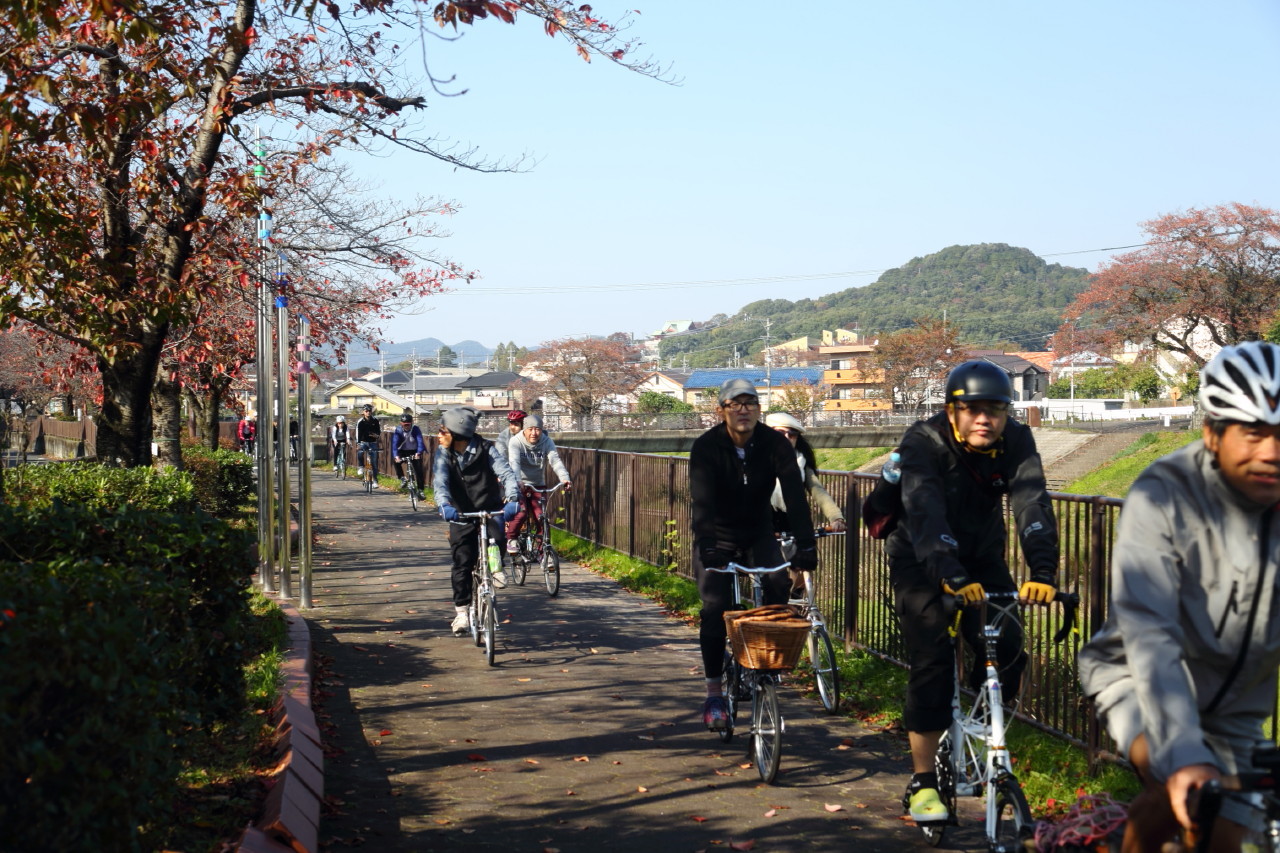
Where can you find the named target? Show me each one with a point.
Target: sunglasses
(787, 431)
(988, 408)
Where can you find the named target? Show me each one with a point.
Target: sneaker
(715, 713)
(335, 467)
(499, 578)
(359, 472)
(925, 805)
(461, 624)
(403, 482)
(513, 547)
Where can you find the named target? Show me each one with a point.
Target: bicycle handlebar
(746, 570)
(549, 492)
(484, 514)
(1070, 602)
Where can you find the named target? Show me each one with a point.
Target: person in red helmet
(515, 425)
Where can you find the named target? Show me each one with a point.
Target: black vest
(475, 487)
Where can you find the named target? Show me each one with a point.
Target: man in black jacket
(950, 542)
(732, 471)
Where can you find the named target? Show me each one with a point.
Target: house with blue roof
(702, 384)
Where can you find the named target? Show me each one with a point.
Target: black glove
(713, 558)
(805, 559)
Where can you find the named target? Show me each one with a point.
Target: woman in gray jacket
(528, 451)
(1184, 671)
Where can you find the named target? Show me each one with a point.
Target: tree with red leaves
(122, 151)
(1205, 273)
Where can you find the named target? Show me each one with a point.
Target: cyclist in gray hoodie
(1183, 672)
(527, 452)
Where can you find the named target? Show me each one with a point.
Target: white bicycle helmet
(1242, 383)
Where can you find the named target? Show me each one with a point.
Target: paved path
(584, 737)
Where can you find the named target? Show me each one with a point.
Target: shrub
(120, 631)
(97, 487)
(222, 479)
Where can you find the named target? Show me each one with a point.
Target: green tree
(446, 357)
(653, 402)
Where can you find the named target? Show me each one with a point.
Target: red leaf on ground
(384, 733)
(475, 756)
(698, 819)
(743, 845)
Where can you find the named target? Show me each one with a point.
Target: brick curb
(290, 818)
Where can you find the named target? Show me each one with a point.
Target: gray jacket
(1187, 568)
(527, 459)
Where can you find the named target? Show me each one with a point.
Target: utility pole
(768, 364)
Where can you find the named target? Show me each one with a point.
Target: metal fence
(638, 504)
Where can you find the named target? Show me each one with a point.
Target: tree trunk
(124, 425)
(168, 404)
(206, 404)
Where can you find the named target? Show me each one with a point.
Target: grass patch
(220, 788)
(1053, 772)
(847, 458)
(1116, 477)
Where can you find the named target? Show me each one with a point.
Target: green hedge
(121, 630)
(98, 487)
(223, 479)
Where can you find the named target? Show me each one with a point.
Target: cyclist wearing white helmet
(1184, 671)
(338, 435)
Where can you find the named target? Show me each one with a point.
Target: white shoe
(499, 578)
(461, 624)
(513, 547)
(359, 472)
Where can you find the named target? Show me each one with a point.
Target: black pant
(924, 615)
(462, 545)
(716, 589)
(416, 461)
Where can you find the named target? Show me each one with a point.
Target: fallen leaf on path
(746, 765)
(833, 808)
(523, 680)
(571, 793)
(743, 845)
(642, 789)
(698, 819)
(475, 756)
(581, 758)
(385, 733)
(470, 740)
(645, 737)
(532, 761)
(771, 813)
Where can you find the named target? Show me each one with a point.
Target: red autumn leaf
(384, 733)
(475, 756)
(750, 844)
(698, 819)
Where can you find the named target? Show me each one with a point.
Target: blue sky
(811, 146)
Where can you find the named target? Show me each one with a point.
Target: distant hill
(469, 352)
(993, 292)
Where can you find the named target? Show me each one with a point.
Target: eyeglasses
(990, 408)
(740, 405)
(787, 431)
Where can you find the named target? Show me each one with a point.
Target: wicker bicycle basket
(761, 640)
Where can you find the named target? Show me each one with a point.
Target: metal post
(304, 462)
(282, 452)
(262, 439)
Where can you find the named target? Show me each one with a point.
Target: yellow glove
(1037, 593)
(972, 592)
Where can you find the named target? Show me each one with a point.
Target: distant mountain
(469, 353)
(994, 293)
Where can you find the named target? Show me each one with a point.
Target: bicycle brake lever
(1070, 605)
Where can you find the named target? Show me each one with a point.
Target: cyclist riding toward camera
(527, 453)
(407, 443)
(1183, 672)
(957, 466)
(368, 432)
(469, 475)
(732, 471)
(339, 438)
(515, 425)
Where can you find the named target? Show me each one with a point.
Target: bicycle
(483, 609)
(340, 461)
(369, 454)
(760, 686)
(972, 758)
(410, 479)
(534, 539)
(822, 653)
(1259, 788)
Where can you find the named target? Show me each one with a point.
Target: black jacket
(730, 496)
(953, 513)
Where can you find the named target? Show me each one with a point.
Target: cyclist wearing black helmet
(368, 433)
(957, 466)
(407, 443)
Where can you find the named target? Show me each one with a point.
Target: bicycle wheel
(489, 627)
(520, 562)
(413, 492)
(473, 612)
(730, 686)
(339, 464)
(943, 766)
(826, 672)
(1014, 823)
(766, 729)
(551, 569)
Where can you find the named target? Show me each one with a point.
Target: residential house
(492, 391)
(354, 394)
(668, 382)
(854, 383)
(1030, 380)
(702, 385)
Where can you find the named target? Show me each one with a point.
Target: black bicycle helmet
(406, 418)
(978, 380)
